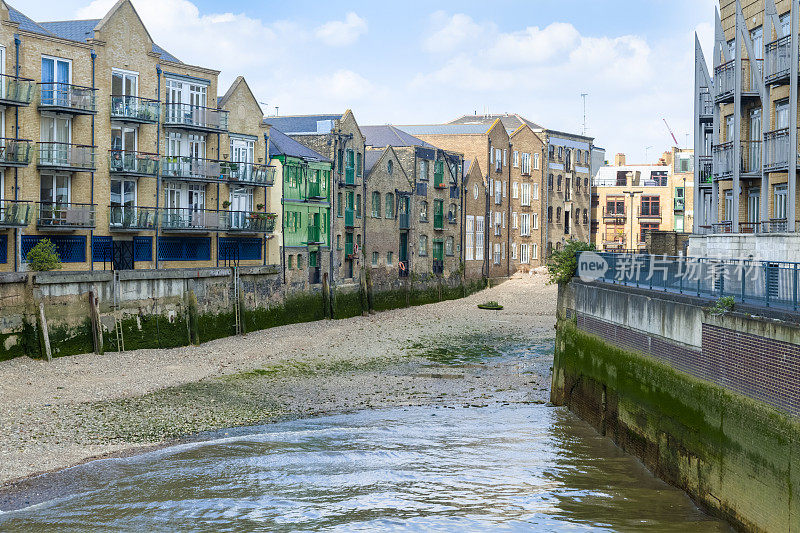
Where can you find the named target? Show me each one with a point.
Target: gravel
(55, 415)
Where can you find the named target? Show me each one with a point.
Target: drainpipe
(17, 237)
(158, 150)
(216, 233)
(508, 210)
(283, 233)
(489, 223)
(266, 187)
(91, 201)
(460, 186)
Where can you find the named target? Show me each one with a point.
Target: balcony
(191, 168)
(404, 221)
(314, 235)
(438, 180)
(778, 61)
(315, 191)
(189, 219)
(438, 221)
(247, 173)
(16, 91)
(132, 218)
(65, 216)
(133, 109)
(705, 106)
(723, 160)
(751, 158)
(248, 221)
(128, 163)
(195, 118)
(66, 98)
(652, 212)
(725, 84)
(349, 217)
(776, 150)
(615, 214)
(16, 213)
(706, 169)
(15, 152)
(67, 157)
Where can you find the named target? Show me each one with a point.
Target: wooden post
(45, 333)
(94, 316)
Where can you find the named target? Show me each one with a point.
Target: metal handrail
(66, 215)
(135, 108)
(130, 162)
(67, 96)
(195, 116)
(66, 155)
(15, 151)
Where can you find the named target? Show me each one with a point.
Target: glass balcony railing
(135, 109)
(193, 117)
(249, 221)
(65, 215)
(16, 91)
(67, 98)
(251, 173)
(191, 168)
(314, 235)
(15, 152)
(133, 163)
(191, 219)
(65, 156)
(133, 218)
(16, 213)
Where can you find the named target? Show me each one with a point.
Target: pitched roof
(282, 144)
(371, 157)
(511, 122)
(467, 167)
(25, 23)
(446, 129)
(73, 30)
(297, 124)
(222, 100)
(165, 55)
(382, 136)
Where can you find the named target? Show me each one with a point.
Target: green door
(438, 250)
(403, 252)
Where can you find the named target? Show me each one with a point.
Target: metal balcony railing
(135, 109)
(613, 213)
(132, 218)
(191, 219)
(133, 163)
(314, 235)
(64, 156)
(751, 157)
(244, 172)
(248, 221)
(776, 149)
(723, 159)
(15, 152)
(16, 91)
(725, 76)
(652, 211)
(194, 117)
(777, 64)
(349, 217)
(16, 213)
(706, 104)
(404, 221)
(66, 215)
(192, 168)
(67, 98)
(706, 169)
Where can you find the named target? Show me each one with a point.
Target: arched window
(558, 184)
(550, 214)
(476, 191)
(376, 204)
(389, 212)
(452, 214)
(423, 211)
(390, 167)
(550, 181)
(585, 216)
(558, 215)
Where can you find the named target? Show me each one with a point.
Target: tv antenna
(584, 95)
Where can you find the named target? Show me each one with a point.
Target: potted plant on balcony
(260, 207)
(226, 204)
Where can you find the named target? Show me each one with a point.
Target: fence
(754, 282)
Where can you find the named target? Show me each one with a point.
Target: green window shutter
(358, 164)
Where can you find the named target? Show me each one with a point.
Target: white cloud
(450, 33)
(534, 45)
(342, 32)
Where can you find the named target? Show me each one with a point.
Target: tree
(564, 263)
(43, 257)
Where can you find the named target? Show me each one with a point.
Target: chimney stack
(619, 160)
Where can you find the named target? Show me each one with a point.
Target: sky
(417, 62)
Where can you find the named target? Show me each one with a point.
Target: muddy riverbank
(59, 414)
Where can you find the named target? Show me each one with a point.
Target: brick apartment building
(121, 154)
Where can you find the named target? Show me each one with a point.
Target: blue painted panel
(102, 249)
(3, 249)
(244, 249)
(142, 248)
(184, 248)
(70, 248)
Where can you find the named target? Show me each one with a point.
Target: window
(526, 163)
(469, 231)
(550, 214)
(515, 190)
(535, 194)
(536, 161)
(498, 162)
(780, 202)
(560, 153)
(423, 245)
(585, 216)
(535, 220)
(505, 189)
(558, 183)
(622, 178)
(513, 250)
(524, 254)
(651, 206)
(423, 211)
(340, 160)
(516, 159)
(390, 167)
(374, 258)
(647, 226)
(514, 220)
(55, 73)
(358, 206)
(679, 223)
(525, 225)
(389, 258)
(423, 169)
(299, 262)
(550, 182)
(359, 164)
(558, 215)
(449, 246)
(452, 214)
(526, 194)
(339, 242)
(290, 264)
(475, 193)
(615, 205)
(498, 192)
(497, 253)
(728, 205)
(534, 251)
(389, 212)
(479, 237)
(781, 115)
(376, 204)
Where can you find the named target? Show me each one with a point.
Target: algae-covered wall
(734, 455)
(177, 307)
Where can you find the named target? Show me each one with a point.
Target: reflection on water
(425, 469)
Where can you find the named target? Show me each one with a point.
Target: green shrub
(723, 305)
(564, 263)
(43, 257)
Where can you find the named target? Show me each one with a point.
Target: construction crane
(670, 132)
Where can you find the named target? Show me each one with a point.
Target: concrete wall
(703, 400)
(774, 247)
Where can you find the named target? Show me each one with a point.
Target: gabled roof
(382, 136)
(73, 30)
(371, 157)
(511, 121)
(446, 129)
(26, 23)
(165, 55)
(282, 144)
(467, 167)
(300, 124)
(232, 89)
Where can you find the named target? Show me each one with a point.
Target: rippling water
(513, 468)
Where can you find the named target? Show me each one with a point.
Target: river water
(509, 468)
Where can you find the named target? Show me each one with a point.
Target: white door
(754, 146)
(241, 206)
(753, 205)
(196, 203)
(242, 153)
